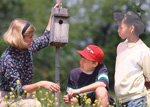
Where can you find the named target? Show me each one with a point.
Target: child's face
(87, 65)
(123, 30)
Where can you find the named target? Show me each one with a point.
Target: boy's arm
(146, 65)
(91, 87)
(146, 70)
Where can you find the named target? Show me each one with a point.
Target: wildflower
(5, 98)
(120, 100)
(85, 94)
(11, 93)
(39, 105)
(56, 103)
(48, 105)
(28, 95)
(13, 96)
(34, 92)
(33, 96)
(124, 105)
(52, 95)
(34, 105)
(107, 103)
(12, 89)
(77, 96)
(95, 101)
(85, 97)
(99, 100)
(13, 100)
(40, 91)
(50, 101)
(114, 103)
(88, 101)
(56, 98)
(19, 97)
(146, 102)
(46, 93)
(93, 105)
(14, 105)
(17, 81)
(42, 99)
(25, 91)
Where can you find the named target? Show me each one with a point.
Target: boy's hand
(73, 91)
(69, 100)
(147, 83)
(66, 99)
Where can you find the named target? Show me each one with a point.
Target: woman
(16, 63)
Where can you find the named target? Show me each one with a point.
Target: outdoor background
(91, 22)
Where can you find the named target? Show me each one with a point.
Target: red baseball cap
(92, 53)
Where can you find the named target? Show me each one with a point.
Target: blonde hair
(14, 36)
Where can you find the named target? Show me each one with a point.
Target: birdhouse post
(58, 37)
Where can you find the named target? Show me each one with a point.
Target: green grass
(47, 99)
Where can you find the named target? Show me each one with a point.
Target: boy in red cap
(91, 78)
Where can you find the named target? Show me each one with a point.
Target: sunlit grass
(48, 99)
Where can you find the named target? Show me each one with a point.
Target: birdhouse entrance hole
(60, 22)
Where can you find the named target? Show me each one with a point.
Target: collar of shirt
(130, 45)
(88, 73)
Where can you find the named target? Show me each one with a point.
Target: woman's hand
(57, 5)
(53, 87)
(49, 22)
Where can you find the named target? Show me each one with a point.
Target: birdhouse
(59, 27)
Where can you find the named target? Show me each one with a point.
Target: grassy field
(51, 97)
(47, 99)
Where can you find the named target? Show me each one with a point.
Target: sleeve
(12, 77)
(103, 76)
(146, 65)
(40, 42)
(70, 84)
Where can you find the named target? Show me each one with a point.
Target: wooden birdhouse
(59, 27)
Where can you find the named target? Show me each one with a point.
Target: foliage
(47, 99)
(92, 23)
(9, 9)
